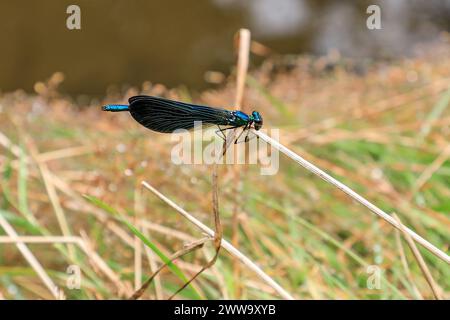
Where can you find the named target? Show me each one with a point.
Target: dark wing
(165, 115)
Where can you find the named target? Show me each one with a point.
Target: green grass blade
(435, 113)
(22, 184)
(173, 267)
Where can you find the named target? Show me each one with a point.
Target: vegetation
(382, 129)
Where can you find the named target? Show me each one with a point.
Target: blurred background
(176, 42)
(370, 107)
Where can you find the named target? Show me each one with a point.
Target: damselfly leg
(243, 130)
(249, 136)
(221, 131)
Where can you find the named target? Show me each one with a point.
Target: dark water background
(175, 42)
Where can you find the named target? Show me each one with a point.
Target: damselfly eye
(257, 120)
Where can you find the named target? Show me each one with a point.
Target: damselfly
(163, 115)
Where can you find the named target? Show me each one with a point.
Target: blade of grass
(435, 113)
(22, 188)
(173, 267)
(352, 194)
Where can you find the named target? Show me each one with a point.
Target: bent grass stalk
(225, 244)
(167, 261)
(217, 234)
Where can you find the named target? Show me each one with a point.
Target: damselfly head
(257, 120)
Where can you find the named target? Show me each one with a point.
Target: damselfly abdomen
(164, 115)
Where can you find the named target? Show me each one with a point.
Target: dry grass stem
(225, 244)
(405, 264)
(52, 194)
(187, 249)
(83, 244)
(40, 239)
(63, 153)
(166, 231)
(432, 168)
(217, 234)
(31, 259)
(244, 44)
(423, 266)
(355, 196)
(242, 68)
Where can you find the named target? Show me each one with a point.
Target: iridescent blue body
(116, 107)
(163, 115)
